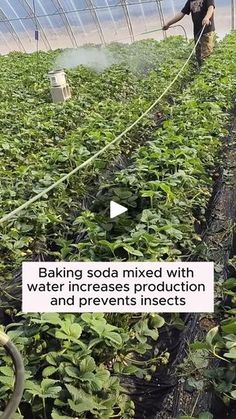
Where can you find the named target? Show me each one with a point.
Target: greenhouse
(117, 209)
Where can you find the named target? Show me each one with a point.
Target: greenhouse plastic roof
(26, 25)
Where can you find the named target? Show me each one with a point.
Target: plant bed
(170, 176)
(218, 240)
(37, 337)
(203, 131)
(45, 143)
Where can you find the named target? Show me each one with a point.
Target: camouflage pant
(205, 46)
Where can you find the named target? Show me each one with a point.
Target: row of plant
(210, 364)
(167, 188)
(80, 357)
(73, 363)
(74, 358)
(41, 141)
(169, 179)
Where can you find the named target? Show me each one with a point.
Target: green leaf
(231, 354)
(51, 358)
(48, 371)
(17, 416)
(76, 330)
(230, 283)
(72, 371)
(74, 392)
(61, 335)
(196, 384)
(114, 338)
(9, 372)
(157, 320)
(51, 318)
(142, 331)
(87, 365)
(131, 250)
(200, 358)
(211, 335)
(49, 389)
(87, 403)
(101, 380)
(87, 376)
(233, 394)
(56, 415)
(8, 381)
(229, 326)
(198, 345)
(33, 388)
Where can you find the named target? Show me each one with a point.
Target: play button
(116, 209)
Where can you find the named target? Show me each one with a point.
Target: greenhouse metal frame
(26, 25)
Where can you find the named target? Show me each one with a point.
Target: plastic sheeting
(70, 23)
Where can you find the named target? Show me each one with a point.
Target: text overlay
(116, 287)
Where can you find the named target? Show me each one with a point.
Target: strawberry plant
(169, 177)
(219, 344)
(74, 362)
(42, 141)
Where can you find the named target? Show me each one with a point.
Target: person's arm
(207, 19)
(179, 16)
(175, 19)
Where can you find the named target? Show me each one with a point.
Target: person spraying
(202, 12)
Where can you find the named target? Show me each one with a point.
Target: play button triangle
(116, 209)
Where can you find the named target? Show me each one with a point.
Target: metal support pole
(128, 20)
(4, 39)
(68, 27)
(111, 15)
(233, 9)
(12, 31)
(92, 8)
(143, 14)
(161, 15)
(20, 20)
(32, 13)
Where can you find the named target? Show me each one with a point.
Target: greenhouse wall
(71, 23)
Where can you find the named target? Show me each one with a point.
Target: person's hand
(206, 21)
(166, 27)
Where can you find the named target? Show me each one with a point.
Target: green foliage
(220, 344)
(72, 362)
(169, 176)
(41, 141)
(75, 358)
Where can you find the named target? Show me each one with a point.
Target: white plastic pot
(57, 78)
